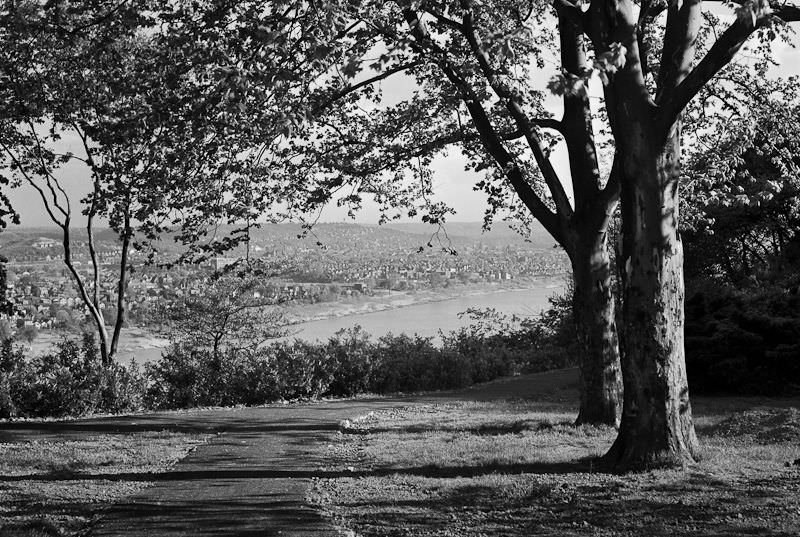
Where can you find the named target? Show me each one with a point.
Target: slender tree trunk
(105, 355)
(656, 427)
(122, 285)
(593, 309)
(94, 309)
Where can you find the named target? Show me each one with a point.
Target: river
(425, 319)
(428, 318)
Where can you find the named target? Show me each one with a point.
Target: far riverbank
(428, 319)
(391, 300)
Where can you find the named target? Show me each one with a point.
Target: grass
(521, 468)
(56, 487)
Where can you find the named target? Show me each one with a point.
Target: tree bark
(569, 227)
(593, 309)
(656, 427)
(92, 306)
(122, 284)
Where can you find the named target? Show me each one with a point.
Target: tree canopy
(743, 189)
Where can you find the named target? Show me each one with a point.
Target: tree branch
(355, 87)
(577, 121)
(719, 55)
(47, 205)
(680, 37)
(489, 137)
(611, 192)
(517, 113)
(444, 19)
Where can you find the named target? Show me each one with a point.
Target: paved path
(249, 480)
(252, 477)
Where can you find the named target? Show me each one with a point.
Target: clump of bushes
(743, 341)
(348, 364)
(71, 380)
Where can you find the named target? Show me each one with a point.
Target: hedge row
(71, 381)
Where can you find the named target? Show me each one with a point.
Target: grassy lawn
(54, 487)
(521, 468)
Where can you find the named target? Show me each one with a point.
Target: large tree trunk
(593, 309)
(656, 427)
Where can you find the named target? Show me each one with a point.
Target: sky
(452, 183)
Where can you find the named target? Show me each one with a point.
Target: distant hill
(500, 233)
(336, 236)
(16, 241)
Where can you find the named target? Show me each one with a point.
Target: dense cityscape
(340, 260)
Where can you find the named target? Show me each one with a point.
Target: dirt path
(252, 477)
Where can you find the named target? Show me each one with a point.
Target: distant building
(216, 263)
(43, 242)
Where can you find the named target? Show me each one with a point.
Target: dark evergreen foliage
(743, 341)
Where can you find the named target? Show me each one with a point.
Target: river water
(429, 318)
(425, 319)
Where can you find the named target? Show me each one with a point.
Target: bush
(298, 369)
(12, 361)
(412, 363)
(743, 341)
(69, 381)
(348, 364)
(188, 376)
(354, 359)
(499, 344)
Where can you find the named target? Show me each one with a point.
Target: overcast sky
(452, 183)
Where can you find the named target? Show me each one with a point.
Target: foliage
(351, 363)
(6, 330)
(743, 193)
(69, 381)
(736, 342)
(29, 333)
(347, 364)
(548, 340)
(11, 360)
(102, 91)
(463, 58)
(229, 316)
(742, 238)
(742, 341)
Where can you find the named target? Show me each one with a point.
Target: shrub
(412, 363)
(498, 344)
(743, 341)
(184, 377)
(300, 369)
(355, 361)
(68, 381)
(12, 361)
(71, 380)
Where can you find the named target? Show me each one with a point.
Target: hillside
(340, 237)
(499, 235)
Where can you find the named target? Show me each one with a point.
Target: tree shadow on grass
(698, 504)
(491, 429)
(255, 515)
(126, 427)
(278, 418)
(579, 466)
